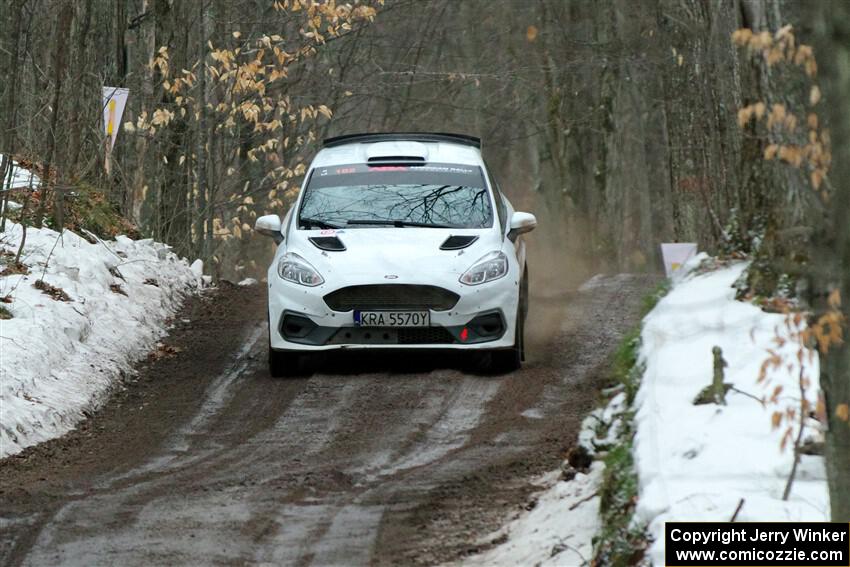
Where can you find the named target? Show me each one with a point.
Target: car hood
(392, 255)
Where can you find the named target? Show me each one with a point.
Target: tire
(511, 359)
(523, 305)
(285, 364)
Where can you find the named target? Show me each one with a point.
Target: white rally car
(398, 241)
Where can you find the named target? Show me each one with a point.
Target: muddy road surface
(373, 459)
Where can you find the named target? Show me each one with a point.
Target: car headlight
(491, 267)
(296, 269)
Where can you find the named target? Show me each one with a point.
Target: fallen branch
(737, 510)
(99, 240)
(562, 546)
(583, 500)
(13, 340)
(743, 393)
(50, 255)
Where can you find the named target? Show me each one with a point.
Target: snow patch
(600, 430)
(557, 531)
(60, 358)
(600, 281)
(533, 413)
(593, 283)
(21, 178)
(197, 268)
(696, 462)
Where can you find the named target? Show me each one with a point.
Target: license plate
(392, 318)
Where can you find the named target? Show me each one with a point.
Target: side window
(499, 199)
(500, 206)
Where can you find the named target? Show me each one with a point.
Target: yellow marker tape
(111, 121)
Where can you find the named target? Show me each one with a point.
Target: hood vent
(457, 242)
(329, 243)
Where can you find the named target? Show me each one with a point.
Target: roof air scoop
(458, 242)
(396, 152)
(329, 243)
(396, 160)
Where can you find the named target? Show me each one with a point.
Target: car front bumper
(468, 325)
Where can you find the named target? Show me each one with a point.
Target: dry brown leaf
(820, 409)
(770, 151)
(54, 292)
(812, 120)
(785, 439)
(744, 115)
(834, 298)
(814, 95)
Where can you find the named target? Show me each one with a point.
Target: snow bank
(59, 359)
(695, 463)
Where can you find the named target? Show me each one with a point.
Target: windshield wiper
(397, 223)
(316, 223)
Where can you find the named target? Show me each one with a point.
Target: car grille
(392, 336)
(391, 296)
(424, 336)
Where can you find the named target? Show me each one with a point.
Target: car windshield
(360, 196)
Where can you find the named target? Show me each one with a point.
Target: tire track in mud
(397, 458)
(132, 503)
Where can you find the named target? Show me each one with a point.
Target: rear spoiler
(462, 139)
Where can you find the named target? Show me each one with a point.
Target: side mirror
(522, 223)
(269, 225)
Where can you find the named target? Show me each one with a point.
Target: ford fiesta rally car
(398, 241)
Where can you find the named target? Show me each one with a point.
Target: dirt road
(373, 459)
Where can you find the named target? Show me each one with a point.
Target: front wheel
(509, 359)
(285, 364)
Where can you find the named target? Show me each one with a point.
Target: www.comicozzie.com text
(755, 534)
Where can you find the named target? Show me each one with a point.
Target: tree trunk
(835, 379)
(63, 26)
(833, 256)
(135, 196)
(8, 136)
(831, 245)
(201, 145)
(81, 95)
